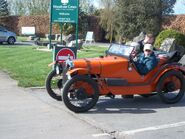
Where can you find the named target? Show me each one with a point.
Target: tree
(29, 7)
(38, 7)
(17, 7)
(83, 22)
(134, 16)
(107, 18)
(3, 8)
(3, 11)
(167, 6)
(87, 6)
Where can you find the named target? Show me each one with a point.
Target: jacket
(146, 64)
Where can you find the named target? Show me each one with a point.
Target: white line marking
(100, 135)
(131, 132)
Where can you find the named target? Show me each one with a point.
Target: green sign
(65, 11)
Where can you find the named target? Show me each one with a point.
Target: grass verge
(29, 66)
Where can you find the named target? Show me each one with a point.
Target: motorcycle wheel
(80, 93)
(54, 85)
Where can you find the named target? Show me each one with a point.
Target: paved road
(28, 113)
(24, 115)
(139, 118)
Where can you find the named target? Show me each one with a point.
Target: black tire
(80, 94)
(54, 91)
(148, 95)
(169, 87)
(11, 40)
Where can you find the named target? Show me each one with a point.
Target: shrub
(179, 37)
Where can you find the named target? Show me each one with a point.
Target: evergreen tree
(3, 8)
(133, 16)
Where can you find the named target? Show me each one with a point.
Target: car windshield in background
(120, 49)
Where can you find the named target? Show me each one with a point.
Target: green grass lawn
(29, 66)
(22, 38)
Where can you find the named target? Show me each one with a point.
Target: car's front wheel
(80, 93)
(11, 40)
(171, 87)
(54, 85)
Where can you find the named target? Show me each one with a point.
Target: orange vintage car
(84, 80)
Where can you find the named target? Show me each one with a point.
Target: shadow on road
(138, 105)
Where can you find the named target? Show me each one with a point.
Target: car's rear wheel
(171, 87)
(11, 40)
(80, 93)
(54, 85)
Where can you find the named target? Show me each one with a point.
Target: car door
(3, 34)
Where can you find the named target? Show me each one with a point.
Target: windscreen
(120, 49)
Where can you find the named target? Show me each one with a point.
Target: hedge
(179, 37)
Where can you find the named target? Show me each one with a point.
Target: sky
(179, 7)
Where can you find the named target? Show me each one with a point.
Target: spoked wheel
(54, 85)
(171, 87)
(80, 93)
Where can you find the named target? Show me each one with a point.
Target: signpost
(64, 11)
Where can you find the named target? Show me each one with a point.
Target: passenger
(149, 39)
(147, 60)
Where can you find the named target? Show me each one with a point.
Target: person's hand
(135, 59)
(133, 54)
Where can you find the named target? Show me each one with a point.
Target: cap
(148, 47)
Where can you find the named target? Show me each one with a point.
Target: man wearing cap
(147, 60)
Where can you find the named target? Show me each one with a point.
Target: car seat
(171, 56)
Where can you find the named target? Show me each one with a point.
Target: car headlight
(69, 64)
(68, 76)
(57, 70)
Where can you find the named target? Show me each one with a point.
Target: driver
(147, 60)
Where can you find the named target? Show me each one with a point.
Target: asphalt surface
(24, 115)
(31, 113)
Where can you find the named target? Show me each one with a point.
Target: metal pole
(77, 24)
(61, 34)
(50, 31)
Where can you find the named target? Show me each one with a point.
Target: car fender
(79, 71)
(166, 68)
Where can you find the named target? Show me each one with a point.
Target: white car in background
(7, 36)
